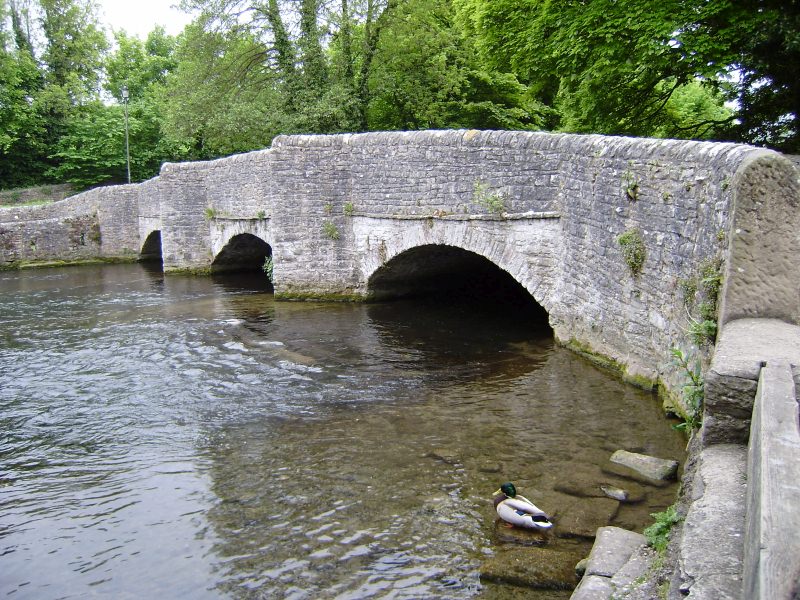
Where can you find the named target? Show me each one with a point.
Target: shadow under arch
(448, 272)
(243, 252)
(449, 275)
(453, 310)
(151, 249)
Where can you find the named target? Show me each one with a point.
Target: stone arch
(242, 252)
(151, 249)
(526, 250)
(443, 269)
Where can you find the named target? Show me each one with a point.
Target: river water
(184, 437)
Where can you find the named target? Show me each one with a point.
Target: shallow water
(191, 438)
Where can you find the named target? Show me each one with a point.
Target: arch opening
(151, 249)
(448, 275)
(244, 252)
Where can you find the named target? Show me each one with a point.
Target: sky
(139, 17)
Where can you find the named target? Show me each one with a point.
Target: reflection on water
(190, 438)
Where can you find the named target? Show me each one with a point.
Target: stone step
(614, 554)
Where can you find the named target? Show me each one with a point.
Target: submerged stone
(581, 517)
(539, 568)
(630, 496)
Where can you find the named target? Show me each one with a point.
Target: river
(189, 437)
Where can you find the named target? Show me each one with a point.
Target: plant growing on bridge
(692, 392)
(268, 268)
(493, 202)
(630, 186)
(348, 209)
(633, 250)
(210, 213)
(330, 230)
(657, 534)
(707, 283)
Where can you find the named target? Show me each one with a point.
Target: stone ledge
(613, 564)
(743, 347)
(712, 545)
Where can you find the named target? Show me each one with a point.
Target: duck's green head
(508, 489)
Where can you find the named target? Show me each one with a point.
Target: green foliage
(330, 230)
(241, 74)
(633, 250)
(268, 268)
(209, 213)
(210, 107)
(426, 74)
(657, 534)
(693, 390)
(92, 149)
(630, 185)
(688, 287)
(708, 283)
(348, 209)
(650, 68)
(703, 332)
(492, 202)
(711, 279)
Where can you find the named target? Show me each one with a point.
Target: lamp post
(127, 147)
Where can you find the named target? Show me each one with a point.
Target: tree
(318, 72)
(22, 150)
(767, 35)
(216, 102)
(74, 48)
(424, 75)
(613, 67)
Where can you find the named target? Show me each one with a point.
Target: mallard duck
(518, 510)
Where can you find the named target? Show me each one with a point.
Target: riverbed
(190, 437)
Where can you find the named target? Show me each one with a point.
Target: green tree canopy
(621, 67)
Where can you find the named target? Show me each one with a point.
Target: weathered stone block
(612, 549)
(657, 469)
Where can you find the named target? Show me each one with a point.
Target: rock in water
(539, 568)
(658, 469)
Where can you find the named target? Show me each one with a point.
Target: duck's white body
(522, 512)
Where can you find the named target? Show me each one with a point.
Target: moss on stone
(610, 364)
(296, 296)
(43, 264)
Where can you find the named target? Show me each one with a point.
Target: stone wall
(98, 224)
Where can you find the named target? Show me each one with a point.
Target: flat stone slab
(581, 517)
(638, 564)
(539, 568)
(712, 543)
(612, 549)
(593, 587)
(658, 469)
(732, 379)
(772, 539)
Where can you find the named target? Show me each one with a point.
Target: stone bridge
(610, 235)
